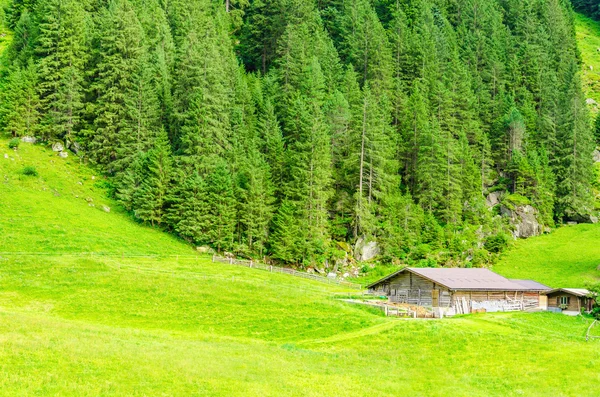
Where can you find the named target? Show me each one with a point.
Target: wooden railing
(587, 334)
(284, 270)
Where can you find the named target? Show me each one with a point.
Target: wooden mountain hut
(570, 300)
(458, 290)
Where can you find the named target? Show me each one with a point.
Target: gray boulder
(28, 139)
(63, 155)
(366, 250)
(524, 220)
(105, 208)
(58, 147)
(596, 156)
(75, 147)
(493, 199)
(586, 218)
(205, 249)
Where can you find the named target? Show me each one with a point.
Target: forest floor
(92, 303)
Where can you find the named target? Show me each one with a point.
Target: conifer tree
(189, 208)
(597, 130)
(118, 53)
(150, 199)
(222, 204)
(61, 49)
(20, 104)
(274, 150)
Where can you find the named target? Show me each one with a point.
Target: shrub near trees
(282, 128)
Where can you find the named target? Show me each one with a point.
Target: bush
(14, 143)
(30, 171)
(497, 243)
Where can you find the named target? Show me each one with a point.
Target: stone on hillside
(596, 156)
(587, 218)
(63, 155)
(331, 275)
(346, 275)
(365, 251)
(571, 223)
(493, 199)
(28, 139)
(591, 101)
(75, 147)
(105, 208)
(5, 155)
(58, 147)
(205, 249)
(524, 219)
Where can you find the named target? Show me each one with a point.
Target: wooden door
(435, 298)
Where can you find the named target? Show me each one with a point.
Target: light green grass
(79, 315)
(588, 40)
(51, 213)
(569, 257)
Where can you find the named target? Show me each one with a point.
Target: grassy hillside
(588, 39)
(569, 257)
(111, 323)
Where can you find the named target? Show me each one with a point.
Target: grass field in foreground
(74, 323)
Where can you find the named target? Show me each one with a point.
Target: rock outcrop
(524, 220)
(493, 199)
(366, 250)
(28, 139)
(58, 147)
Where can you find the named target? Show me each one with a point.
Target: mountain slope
(132, 320)
(568, 257)
(588, 41)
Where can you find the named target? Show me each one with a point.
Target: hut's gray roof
(531, 285)
(470, 279)
(572, 291)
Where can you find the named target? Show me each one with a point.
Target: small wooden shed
(459, 290)
(570, 300)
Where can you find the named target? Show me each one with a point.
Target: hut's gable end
(567, 301)
(407, 287)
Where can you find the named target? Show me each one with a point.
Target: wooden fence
(587, 334)
(283, 270)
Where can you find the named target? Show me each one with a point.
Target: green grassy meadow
(588, 39)
(569, 257)
(94, 304)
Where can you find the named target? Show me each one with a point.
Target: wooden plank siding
(407, 287)
(576, 303)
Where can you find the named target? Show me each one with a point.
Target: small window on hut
(564, 300)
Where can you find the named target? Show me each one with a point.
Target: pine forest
(303, 130)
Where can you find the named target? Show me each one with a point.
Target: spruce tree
(222, 204)
(118, 53)
(150, 199)
(20, 104)
(61, 49)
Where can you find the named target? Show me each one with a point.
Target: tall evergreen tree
(61, 49)
(117, 90)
